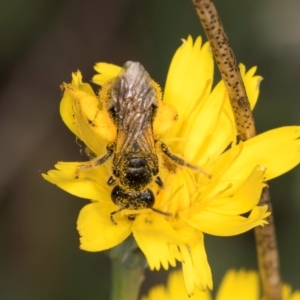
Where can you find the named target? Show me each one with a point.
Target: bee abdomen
(137, 174)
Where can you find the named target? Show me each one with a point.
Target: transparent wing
(134, 104)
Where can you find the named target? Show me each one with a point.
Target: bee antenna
(161, 212)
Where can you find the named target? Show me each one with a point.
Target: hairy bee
(132, 105)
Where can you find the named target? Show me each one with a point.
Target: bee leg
(111, 181)
(96, 161)
(112, 215)
(130, 217)
(89, 153)
(180, 161)
(159, 182)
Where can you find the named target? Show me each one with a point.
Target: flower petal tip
(262, 168)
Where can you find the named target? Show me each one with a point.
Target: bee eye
(147, 197)
(117, 194)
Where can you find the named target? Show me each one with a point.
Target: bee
(132, 105)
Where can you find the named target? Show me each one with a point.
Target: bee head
(144, 199)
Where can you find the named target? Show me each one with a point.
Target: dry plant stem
(265, 237)
(228, 67)
(266, 247)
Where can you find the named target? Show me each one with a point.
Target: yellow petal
(218, 183)
(87, 186)
(188, 270)
(238, 285)
(165, 118)
(158, 292)
(202, 273)
(227, 225)
(99, 121)
(190, 70)
(97, 230)
(243, 199)
(177, 290)
(200, 128)
(95, 127)
(288, 294)
(225, 130)
(252, 83)
(107, 72)
(176, 287)
(278, 150)
(153, 235)
(175, 196)
(195, 267)
(67, 103)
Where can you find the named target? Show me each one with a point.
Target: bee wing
(136, 129)
(145, 141)
(134, 101)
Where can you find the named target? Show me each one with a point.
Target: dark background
(41, 43)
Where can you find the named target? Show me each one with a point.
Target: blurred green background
(41, 43)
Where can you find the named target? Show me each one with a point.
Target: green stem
(126, 282)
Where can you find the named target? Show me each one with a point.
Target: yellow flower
(236, 285)
(192, 203)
